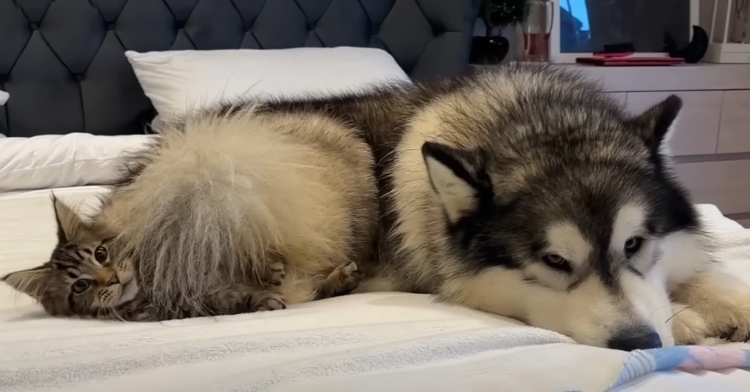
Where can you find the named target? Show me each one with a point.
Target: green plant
(500, 13)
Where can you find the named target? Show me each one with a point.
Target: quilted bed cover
(370, 342)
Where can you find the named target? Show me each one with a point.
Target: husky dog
(521, 191)
(526, 192)
(222, 205)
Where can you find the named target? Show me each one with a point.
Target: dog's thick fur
(521, 191)
(224, 197)
(526, 192)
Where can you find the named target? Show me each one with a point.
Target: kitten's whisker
(116, 314)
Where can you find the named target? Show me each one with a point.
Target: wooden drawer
(734, 134)
(698, 123)
(725, 184)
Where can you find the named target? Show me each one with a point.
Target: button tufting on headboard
(65, 68)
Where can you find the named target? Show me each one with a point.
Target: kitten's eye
(81, 285)
(557, 262)
(100, 254)
(633, 245)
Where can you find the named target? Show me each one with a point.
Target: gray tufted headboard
(63, 62)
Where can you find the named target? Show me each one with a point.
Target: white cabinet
(734, 134)
(722, 183)
(697, 127)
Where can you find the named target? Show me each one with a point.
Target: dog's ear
(656, 123)
(70, 226)
(458, 178)
(31, 282)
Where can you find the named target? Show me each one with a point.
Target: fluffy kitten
(88, 276)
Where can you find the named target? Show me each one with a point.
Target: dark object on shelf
(693, 52)
(489, 50)
(619, 60)
(623, 47)
(496, 15)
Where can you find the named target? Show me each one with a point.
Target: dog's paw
(349, 276)
(722, 300)
(267, 302)
(727, 315)
(349, 270)
(278, 273)
(688, 326)
(733, 322)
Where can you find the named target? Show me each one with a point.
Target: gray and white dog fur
(526, 192)
(521, 191)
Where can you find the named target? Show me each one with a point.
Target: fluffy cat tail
(213, 204)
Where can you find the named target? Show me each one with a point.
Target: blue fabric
(686, 358)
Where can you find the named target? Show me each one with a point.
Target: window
(585, 26)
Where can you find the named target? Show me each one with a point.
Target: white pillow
(55, 161)
(179, 81)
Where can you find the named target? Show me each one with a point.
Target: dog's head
(570, 228)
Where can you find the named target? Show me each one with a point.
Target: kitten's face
(83, 277)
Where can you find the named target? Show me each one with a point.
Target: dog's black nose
(629, 341)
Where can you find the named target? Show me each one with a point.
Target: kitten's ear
(657, 123)
(69, 224)
(31, 282)
(458, 178)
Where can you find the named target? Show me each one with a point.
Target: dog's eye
(100, 254)
(557, 262)
(633, 245)
(81, 285)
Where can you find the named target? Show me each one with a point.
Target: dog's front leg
(722, 303)
(688, 326)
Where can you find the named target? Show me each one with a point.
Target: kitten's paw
(688, 326)
(267, 302)
(278, 273)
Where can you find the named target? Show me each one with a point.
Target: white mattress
(372, 342)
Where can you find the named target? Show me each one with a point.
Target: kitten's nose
(112, 279)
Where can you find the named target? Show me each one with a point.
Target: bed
(63, 63)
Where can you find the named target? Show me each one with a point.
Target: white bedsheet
(372, 342)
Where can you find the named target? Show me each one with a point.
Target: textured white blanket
(372, 342)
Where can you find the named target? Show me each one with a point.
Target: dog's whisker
(658, 309)
(678, 312)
